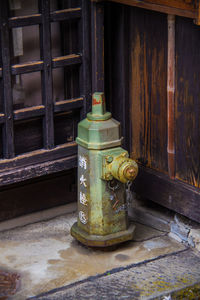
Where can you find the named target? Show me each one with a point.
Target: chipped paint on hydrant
(103, 170)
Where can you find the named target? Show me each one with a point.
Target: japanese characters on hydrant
(104, 168)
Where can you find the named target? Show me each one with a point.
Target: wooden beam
(67, 105)
(29, 67)
(39, 156)
(57, 62)
(173, 194)
(59, 15)
(29, 112)
(197, 20)
(66, 14)
(37, 170)
(67, 60)
(25, 20)
(159, 6)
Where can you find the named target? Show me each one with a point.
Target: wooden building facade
(153, 70)
(143, 54)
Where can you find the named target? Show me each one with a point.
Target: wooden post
(85, 48)
(8, 127)
(97, 28)
(47, 92)
(170, 95)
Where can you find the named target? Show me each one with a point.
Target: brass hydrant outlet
(119, 166)
(104, 168)
(131, 172)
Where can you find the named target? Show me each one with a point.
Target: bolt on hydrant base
(103, 170)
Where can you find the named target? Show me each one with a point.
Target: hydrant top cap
(99, 112)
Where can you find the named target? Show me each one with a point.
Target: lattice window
(44, 84)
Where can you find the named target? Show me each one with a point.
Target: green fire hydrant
(103, 169)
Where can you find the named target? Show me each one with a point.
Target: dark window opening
(66, 83)
(26, 90)
(64, 128)
(23, 7)
(28, 136)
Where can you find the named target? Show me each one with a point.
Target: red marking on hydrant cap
(96, 102)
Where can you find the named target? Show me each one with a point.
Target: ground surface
(47, 258)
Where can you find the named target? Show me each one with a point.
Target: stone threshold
(177, 226)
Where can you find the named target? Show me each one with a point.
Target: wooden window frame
(51, 158)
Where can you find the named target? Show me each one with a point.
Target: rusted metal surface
(121, 167)
(171, 95)
(103, 168)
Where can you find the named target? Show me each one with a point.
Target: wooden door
(136, 84)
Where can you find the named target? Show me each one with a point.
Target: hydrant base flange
(102, 240)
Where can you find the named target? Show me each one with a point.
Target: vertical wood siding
(148, 96)
(136, 87)
(187, 101)
(144, 54)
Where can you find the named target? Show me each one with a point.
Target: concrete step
(174, 276)
(47, 258)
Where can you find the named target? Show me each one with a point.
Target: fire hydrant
(103, 170)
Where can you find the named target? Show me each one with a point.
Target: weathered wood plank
(67, 60)
(179, 7)
(25, 20)
(29, 112)
(97, 40)
(37, 170)
(175, 195)
(148, 96)
(49, 191)
(47, 91)
(66, 105)
(8, 135)
(187, 101)
(85, 49)
(39, 156)
(66, 14)
(171, 96)
(57, 62)
(29, 67)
